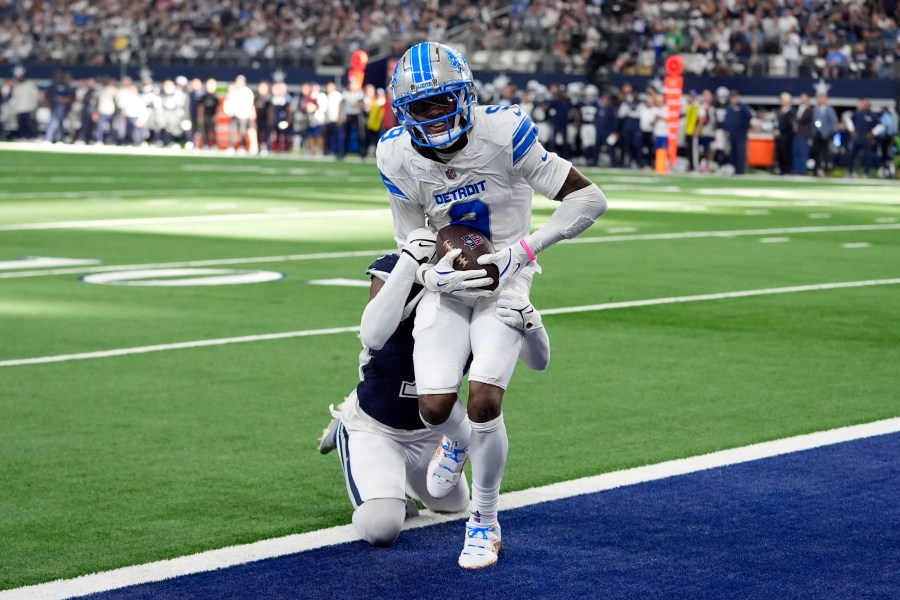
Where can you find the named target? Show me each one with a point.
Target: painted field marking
(212, 560)
(139, 221)
(820, 215)
(774, 240)
(182, 277)
(856, 245)
(18, 362)
(679, 235)
(44, 262)
(341, 282)
(886, 220)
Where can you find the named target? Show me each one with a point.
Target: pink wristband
(528, 251)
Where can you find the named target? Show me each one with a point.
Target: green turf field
(107, 462)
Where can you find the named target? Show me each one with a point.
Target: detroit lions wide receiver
(384, 447)
(452, 162)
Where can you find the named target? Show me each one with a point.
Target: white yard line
(678, 235)
(550, 311)
(212, 560)
(141, 221)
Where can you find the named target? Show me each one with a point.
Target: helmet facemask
(440, 117)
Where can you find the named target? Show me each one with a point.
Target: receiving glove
(442, 277)
(514, 307)
(420, 245)
(509, 261)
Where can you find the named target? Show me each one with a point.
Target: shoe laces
(453, 452)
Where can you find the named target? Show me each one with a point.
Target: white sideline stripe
(263, 216)
(733, 233)
(589, 240)
(212, 560)
(18, 362)
(176, 346)
(201, 263)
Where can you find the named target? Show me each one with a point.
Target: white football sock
(456, 427)
(487, 452)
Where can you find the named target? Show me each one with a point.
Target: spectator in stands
(803, 125)
(737, 126)
(863, 122)
(208, 107)
(24, 99)
(825, 123)
(60, 96)
(836, 62)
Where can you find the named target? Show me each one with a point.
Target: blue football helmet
(434, 94)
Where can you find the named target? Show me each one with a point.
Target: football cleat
(445, 468)
(482, 546)
(328, 439)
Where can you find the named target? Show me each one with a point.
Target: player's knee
(435, 408)
(485, 402)
(380, 521)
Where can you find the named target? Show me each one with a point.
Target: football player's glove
(518, 312)
(509, 261)
(420, 245)
(442, 277)
(514, 307)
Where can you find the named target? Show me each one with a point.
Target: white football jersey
(488, 185)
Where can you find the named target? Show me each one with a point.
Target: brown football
(473, 244)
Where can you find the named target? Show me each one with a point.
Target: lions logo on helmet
(434, 94)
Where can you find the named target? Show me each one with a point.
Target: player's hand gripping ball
(472, 244)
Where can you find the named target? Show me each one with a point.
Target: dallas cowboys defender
(452, 162)
(384, 447)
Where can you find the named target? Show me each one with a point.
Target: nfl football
(473, 244)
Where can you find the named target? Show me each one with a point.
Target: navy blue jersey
(387, 392)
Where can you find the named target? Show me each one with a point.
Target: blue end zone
(823, 523)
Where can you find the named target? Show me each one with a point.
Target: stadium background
(148, 422)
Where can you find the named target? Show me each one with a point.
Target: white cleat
(445, 468)
(328, 439)
(482, 546)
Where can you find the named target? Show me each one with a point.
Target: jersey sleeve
(544, 171)
(406, 212)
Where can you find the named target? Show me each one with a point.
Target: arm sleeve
(535, 350)
(384, 312)
(407, 216)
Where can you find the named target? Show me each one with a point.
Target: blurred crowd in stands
(624, 128)
(817, 38)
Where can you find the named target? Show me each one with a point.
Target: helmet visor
(433, 108)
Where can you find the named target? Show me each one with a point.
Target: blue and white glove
(420, 245)
(509, 261)
(442, 277)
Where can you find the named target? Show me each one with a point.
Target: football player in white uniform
(452, 162)
(384, 447)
